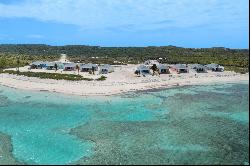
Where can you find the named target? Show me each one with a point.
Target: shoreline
(112, 87)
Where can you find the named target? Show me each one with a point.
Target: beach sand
(121, 81)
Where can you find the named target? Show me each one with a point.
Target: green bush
(102, 78)
(43, 75)
(55, 76)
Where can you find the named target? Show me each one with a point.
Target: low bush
(44, 75)
(102, 78)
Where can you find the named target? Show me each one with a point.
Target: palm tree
(154, 68)
(18, 63)
(78, 68)
(93, 70)
(56, 66)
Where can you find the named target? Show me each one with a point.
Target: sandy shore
(121, 81)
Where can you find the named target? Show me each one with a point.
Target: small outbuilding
(163, 69)
(37, 65)
(198, 68)
(60, 65)
(142, 69)
(50, 65)
(180, 68)
(105, 69)
(69, 67)
(88, 67)
(215, 67)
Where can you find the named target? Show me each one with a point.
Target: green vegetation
(102, 78)
(55, 76)
(155, 69)
(43, 75)
(241, 70)
(233, 59)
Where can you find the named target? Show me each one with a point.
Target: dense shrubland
(233, 59)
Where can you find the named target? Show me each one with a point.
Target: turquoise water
(185, 125)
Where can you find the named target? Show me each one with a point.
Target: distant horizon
(118, 46)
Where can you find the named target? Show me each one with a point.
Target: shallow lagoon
(185, 125)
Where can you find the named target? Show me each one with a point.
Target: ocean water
(185, 125)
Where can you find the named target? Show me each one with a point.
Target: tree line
(236, 59)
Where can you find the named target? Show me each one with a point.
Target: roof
(193, 66)
(142, 67)
(180, 66)
(162, 66)
(50, 63)
(89, 65)
(38, 63)
(222, 67)
(213, 65)
(70, 65)
(106, 66)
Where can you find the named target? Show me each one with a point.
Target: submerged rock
(6, 156)
(4, 101)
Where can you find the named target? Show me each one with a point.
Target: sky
(183, 23)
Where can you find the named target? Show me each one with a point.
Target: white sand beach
(121, 81)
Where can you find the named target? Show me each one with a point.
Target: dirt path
(63, 58)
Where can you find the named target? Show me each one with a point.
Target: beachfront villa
(60, 65)
(198, 68)
(215, 67)
(88, 67)
(38, 65)
(163, 69)
(46, 65)
(69, 67)
(181, 68)
(105, 69)
(50, 65)
(142, 69)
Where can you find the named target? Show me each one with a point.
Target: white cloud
(130, 14)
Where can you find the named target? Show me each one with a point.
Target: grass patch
(102, 78)
(55, 76)
(43, 75)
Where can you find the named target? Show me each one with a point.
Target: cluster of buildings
(70, 66)
(177, 68)
(145, 68)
